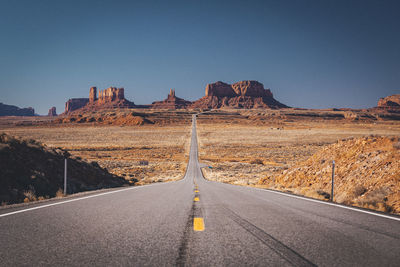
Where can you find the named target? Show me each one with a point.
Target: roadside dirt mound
(367, 174)
(32, 171)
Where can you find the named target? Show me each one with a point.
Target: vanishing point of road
(195, 222)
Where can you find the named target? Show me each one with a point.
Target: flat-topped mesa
(243, 94)
(243, 88)
(171, 102)
(10, 110)
(75, 103)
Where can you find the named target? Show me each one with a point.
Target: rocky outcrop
(108, 98)
(75, 103)
(52, 112)
(10, 110)
(390, 101)
(110, 95)
(172, 102)
(244, 94)
(92, 94)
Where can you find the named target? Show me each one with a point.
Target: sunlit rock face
(243, 94)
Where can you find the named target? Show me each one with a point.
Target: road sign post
(65, 177)
(333, 179)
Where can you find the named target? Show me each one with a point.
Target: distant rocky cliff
(390, 103)
(172, 102)
(52, 112)
(9, 110)
(244, 94)
(111, 97)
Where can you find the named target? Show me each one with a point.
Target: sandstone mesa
(243, 94)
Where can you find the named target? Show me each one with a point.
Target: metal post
(333, 179)
(65, 178)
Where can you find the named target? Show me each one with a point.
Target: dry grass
(120, 149)
(236, 150)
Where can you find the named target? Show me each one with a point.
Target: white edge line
(96, 195)
(328, 203)
(81, 198)
(310, 199)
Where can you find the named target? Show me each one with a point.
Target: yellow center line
(198, 224)
(196, 199)
(196, 191)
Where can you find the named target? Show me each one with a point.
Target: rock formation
(244, 94)
(389, 102)
(10, 110)
(75, 103)
(172, 102)
(110, 94)
(108, 98)
(52, 112)
(92, 94)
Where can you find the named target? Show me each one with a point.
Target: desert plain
(243, 147)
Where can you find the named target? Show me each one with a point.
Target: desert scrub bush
(29, 196)
(60, 193)
(257, 161)
(359, 190)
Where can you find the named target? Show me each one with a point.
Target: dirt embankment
(31, 171)
(367, 173)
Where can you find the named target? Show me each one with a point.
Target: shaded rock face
(30, 166)
(52, 112)
(172, 102)
(244, 94)
(10, 110)
(92, 94)
(75, 103)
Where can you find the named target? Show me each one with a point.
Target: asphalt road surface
(195, 222)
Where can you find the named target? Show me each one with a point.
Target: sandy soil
(142, 154)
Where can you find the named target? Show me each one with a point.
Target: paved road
(195, 222)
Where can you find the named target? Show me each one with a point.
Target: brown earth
(245, 146)
(140, 154)
(367, 173)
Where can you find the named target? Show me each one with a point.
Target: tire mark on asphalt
(278, 247)
(183, 248)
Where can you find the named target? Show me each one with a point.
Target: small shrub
(59, 193)
(30, 195)
(359, 190)
(257, 161)
(143, 163)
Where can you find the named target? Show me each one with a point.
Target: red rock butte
(244, 94)
(172, 102)
(111, 97)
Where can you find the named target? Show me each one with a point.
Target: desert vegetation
(32, 171)
(139, 154)
(262, 150)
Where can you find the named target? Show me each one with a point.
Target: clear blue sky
(312, 54)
